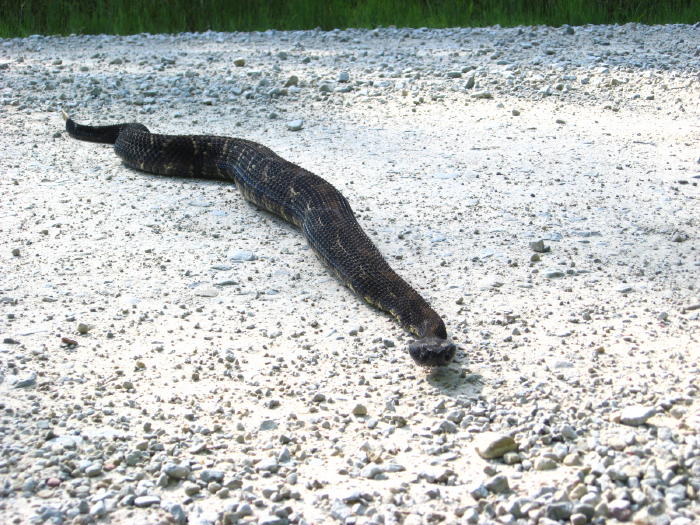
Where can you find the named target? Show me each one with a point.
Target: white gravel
(171, 353)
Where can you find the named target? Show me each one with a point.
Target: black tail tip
(432, 351)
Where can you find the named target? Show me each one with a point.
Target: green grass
(26, 17)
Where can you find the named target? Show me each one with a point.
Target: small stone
(295, 125)
(146, 501)
(209, 475)
(239, 62)
(15, 252)
(620, 509)
(511, 458)
(545, 464)
(568, 432)
(372, 471)
(636, 415)
(177, 471)
(98, 509)
(359, 410)
(471, 515)
(191, 489)
(498, 484)
(478, 492)
(242, 256)
(539, 246)
(163, 480)
(559, 511)
(553, 274)
(53, 482)
(446, 427)
(484, 95)
(572, 460)
(515, 113)
(453, 74)
(284, 455)
(177, 512)
(83, 328)
(578, 491)
(679, 237)
(343, 76)
(471, 80)
(436, 474)
(293, 80)
(578, 519)
(267, 465)
(24, 381)
(268, 424)
(318, 398)
(94, 469)
(492, 445)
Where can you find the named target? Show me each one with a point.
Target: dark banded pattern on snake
(298, 196)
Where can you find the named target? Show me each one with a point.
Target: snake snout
(432, 351)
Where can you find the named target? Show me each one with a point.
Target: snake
(300, 197)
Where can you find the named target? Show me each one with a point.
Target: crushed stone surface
(170, 354)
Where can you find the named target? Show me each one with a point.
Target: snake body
(298, 196)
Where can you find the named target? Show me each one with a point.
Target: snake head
(432, 351)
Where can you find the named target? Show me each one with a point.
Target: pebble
(26, 380)
(539, 246)
(483, 95)
(239, 62)
(146, 501)
(295, 125)
(543, 463)
(99, 509)
(636, 415)
(242, 256)
(559, 511)
(93, 470)
(177, 512)
(498, 484)
(372, 471)
(471, 81)
(177, 470)
(553, 274)
(436, 474)
(359, 410)
(492, 445)
(209, 475)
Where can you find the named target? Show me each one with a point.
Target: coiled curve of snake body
(298, 196)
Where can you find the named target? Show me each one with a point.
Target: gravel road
(170, 354)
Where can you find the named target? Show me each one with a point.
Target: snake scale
(300, 197)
